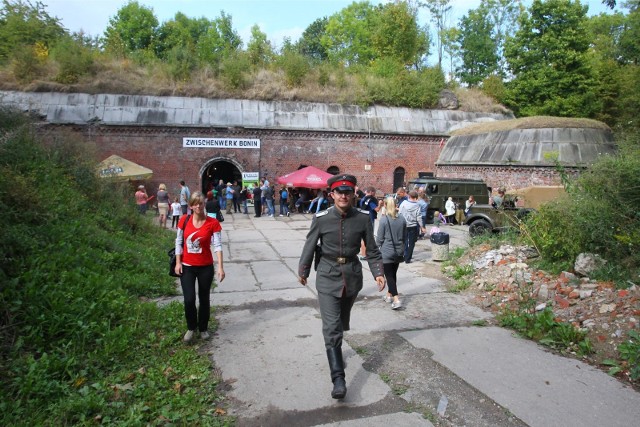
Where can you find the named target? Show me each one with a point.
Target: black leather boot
(336, 365)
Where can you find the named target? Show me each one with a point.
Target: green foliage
(494, 87)
(25, 24)
(78, 342)
(26, 65)
(295, 66)
(416, 89)
(181, 62)
(630, 352)
(259, 49)
(478, 48)
(74, 61)
(310, 44)
(132, 28)
(219, 42)
(604, 203)
(549, 58)
(234, 70)
(542, 327)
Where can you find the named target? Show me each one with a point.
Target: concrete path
(433, 365)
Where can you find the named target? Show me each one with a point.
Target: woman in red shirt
(194, 260)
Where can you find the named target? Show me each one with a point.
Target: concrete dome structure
(522, 152)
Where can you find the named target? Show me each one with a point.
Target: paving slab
(234, 299)
(419, 312)
(539, 387)
(403, 419)
(283, 362)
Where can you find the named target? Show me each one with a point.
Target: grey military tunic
(339, 270)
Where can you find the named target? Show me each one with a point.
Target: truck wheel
(479, 227)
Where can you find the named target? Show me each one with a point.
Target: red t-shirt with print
(197, 241)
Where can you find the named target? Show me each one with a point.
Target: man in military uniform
(338, 231)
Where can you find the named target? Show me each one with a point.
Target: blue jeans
(245, 206)
(411, 235)
(284, 208)
(270, 209)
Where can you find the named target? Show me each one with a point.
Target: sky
(276, 18)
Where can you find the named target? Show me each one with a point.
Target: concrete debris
(587, 263)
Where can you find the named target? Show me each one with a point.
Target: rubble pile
(503, 279)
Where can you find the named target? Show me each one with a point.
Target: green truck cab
(486, 219)
(440, 189)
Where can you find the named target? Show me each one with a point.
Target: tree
(310, 43)
(181, 31)
(630, 37)
(548, 57)
(25, 24)
(478, 49)
(396, 34)
(133, 28)
(439, 10)
(347, 36)
(259, 48)
(220, 41)
(362, 34)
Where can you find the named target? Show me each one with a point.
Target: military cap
(342, 182)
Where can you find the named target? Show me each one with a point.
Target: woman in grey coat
(390, 239)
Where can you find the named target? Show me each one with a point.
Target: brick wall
(510, 177)
(160, 149)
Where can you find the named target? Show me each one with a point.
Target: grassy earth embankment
(81, 344)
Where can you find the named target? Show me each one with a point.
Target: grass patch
(542, 327)
(81, 344)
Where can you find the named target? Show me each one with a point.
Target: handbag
(220, 217)
(172, 253)
(396, 257)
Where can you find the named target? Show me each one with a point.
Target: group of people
(334, 240)
(179, 205)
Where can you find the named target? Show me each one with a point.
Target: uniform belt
(340, 259)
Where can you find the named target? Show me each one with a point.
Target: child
(436, 223)
(176, 211)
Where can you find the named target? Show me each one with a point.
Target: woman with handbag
(390, 239)
(194, 261)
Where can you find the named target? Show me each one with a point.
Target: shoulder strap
(391, 232)
(184, 225)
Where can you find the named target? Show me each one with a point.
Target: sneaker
(188, 336)
(204, 335)
(387, 298)
(280, 215)
(288, 214)
(396, 305)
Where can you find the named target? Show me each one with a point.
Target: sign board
(190, 142)
(252, 178)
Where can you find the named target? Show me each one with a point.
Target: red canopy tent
(309, 177)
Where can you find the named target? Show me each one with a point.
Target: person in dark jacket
(339, 231)
(257, 202)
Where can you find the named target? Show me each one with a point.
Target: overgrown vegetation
(544, 328)
(79, 343)
(601, 215)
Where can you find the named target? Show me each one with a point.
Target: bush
(74, 61)
(77, 343)
(295, 67)
(234, 71)
(26, 65)
(408, 88)
(604, 207)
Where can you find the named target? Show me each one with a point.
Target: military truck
(486, 218)
(440, 189)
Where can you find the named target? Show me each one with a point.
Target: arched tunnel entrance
(220, 169)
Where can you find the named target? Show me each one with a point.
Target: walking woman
(163, 204)
(390, 240)
(194, 260)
